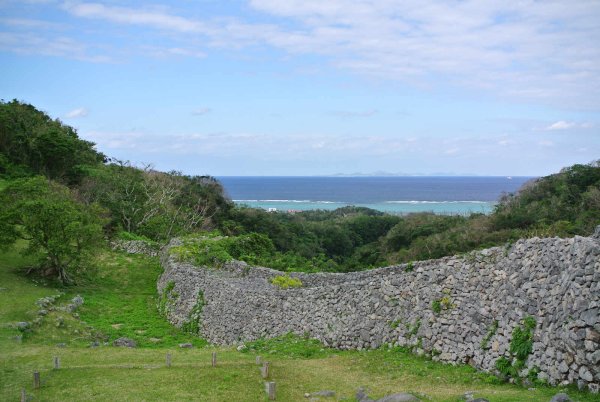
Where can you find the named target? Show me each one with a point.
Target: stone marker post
(36, 380)
(264, 371)
(270, 389)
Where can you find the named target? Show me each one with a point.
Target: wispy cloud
(58, 46)
(201, 111)
(28, 23)
(123, 15)
(535, 51)
(526, 50)
(303, 145)
(76, 113)
(567, 125)
(474, 154)
(351, 113)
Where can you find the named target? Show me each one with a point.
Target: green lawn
(121, 301)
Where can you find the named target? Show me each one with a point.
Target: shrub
(286, 282)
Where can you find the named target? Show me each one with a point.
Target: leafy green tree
(32, 143)
(47, 215)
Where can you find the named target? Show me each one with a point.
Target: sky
(304, 87)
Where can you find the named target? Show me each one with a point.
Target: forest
(67, 200)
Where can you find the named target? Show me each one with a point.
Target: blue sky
(268, 87)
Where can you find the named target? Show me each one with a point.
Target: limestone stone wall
(135, 247)
(460, 309)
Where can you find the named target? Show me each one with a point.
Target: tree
(32, 143)
(47, 215)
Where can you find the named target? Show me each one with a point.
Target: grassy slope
(121, 302)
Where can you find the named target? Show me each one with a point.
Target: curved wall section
(460, 309)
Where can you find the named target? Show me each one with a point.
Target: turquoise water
(396, 207)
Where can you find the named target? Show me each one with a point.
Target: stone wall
(136, 247)
(460, 309)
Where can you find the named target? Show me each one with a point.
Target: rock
(70, 308)
(361, 396)
(186, 345)
(400, 397)
(595, 357)
(241, 348)
(592, 335)
(43, 312)
(61, 345)
(561, 398)
(94, 344)
(585, 374)
(563, 367)
(321, 394)
(125, 342)
(591, 316)
(77, 300)
(23, 325)
(480, 400)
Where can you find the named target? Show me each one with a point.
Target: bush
(286, 282)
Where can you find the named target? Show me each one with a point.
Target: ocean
(396, 195)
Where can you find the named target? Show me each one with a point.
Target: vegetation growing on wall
(444, 303)
(192, 325)
(521, 346)
(491, 332)
(286, 282)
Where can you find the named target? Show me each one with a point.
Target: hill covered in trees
(66, 199)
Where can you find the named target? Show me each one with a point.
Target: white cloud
(123, 15)
(166, 52)
(56, 46)
(528, 50)
(294, 147)
(561, 125)
(28, 23)
(451, 151)
(310, 153)
(76, 113)
(202, 111)
(566, 125)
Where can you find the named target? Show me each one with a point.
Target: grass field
(121, 301)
